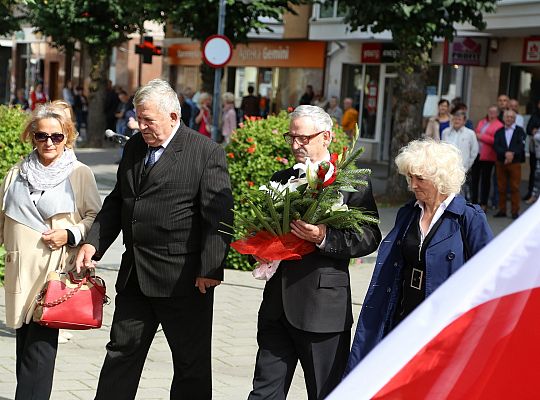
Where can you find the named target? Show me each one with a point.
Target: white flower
(310, 169)
(338, 205)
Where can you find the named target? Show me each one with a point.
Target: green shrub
(12, 120)
(257, 150)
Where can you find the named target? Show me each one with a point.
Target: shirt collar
(175, 129)
(444, 205)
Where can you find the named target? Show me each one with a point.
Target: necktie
(151, 156)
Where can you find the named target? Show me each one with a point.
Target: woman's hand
(55, 238)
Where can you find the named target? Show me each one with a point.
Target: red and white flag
(476, 337)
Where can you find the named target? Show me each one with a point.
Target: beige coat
(28, 259)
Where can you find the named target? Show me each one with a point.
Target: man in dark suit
(306, 313)
(171, 194)
(509, 144)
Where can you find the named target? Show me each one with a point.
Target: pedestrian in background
(250, 104)
(334, 110)
(204, 119)
(433, 236)
(80, 107)
(509, 145)
(350, 117)
(485, 133)
(438, 123)
(228, 118)
(67, 93)
(171, 195)
(37, 96)
(48, 202)
(513, 104)
(533, 126)
(307, 96)
(466, 142)
(186, 109)
(502, 104)
(20, 100)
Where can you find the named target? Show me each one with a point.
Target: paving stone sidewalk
(234, 332)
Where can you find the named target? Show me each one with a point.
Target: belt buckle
(416, 278)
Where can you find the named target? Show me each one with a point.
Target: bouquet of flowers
(316, 198)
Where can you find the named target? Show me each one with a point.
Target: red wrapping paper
(270, 247)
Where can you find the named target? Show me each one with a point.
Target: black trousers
(473, 177)
(36, 348)
(323, 357)
(485, 168)
(187, 324)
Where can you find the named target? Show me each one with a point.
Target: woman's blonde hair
(228, 98)
(55, 110)
(438, 162)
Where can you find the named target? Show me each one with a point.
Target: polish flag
(476, 337)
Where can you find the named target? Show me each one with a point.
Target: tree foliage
(10, 16)
(98, 25)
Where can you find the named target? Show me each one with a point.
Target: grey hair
(161, 93)
(320, 118)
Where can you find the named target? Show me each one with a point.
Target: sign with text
(291, 54)
(531, 50)
(377, 53)
(467, 51)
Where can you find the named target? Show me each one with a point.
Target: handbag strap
(87, 278)
(65, 297)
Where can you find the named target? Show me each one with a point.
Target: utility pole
(216, 102)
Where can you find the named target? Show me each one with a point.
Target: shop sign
(467, 51)
(292, 54)
(377, 53)
(531, 50)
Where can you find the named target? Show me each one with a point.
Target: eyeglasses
(300, 139)
(56, 138)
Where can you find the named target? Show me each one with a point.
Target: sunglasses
(56, 138)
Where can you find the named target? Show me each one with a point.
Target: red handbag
(66, 302)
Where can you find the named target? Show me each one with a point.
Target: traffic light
(147, 49)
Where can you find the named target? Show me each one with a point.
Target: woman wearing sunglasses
(48, 202)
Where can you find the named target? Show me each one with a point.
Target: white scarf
(41, 177)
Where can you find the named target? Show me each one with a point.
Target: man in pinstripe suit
(171, 194)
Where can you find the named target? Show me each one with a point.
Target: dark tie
(151, 156)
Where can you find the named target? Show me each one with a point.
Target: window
(331, 9)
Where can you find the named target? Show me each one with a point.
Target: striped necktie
(151, 160)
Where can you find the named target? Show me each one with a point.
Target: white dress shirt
(465, 140)
(160, 151)
(438, 214)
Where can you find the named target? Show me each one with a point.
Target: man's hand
(55, 238)
(205, 283)
(508, 157)
(84, 257)
(311, 233)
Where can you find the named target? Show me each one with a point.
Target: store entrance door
(387, 117)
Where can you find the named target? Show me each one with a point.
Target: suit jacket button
(450, 256)
(133, 221)
(137, 198)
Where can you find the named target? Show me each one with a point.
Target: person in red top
(485, 133)
(204, 119)
(37, 96)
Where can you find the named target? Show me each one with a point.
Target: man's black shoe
(526, 197)
(515, 216)
(500, 214)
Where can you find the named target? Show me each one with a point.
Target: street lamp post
(216, 103)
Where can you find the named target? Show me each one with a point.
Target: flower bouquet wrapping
(316, 197)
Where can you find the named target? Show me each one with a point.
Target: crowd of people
(171, 196)
(492, 152)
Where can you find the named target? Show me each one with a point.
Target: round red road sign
(217, 51)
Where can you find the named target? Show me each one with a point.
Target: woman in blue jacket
(432, 238)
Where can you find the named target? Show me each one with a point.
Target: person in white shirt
(463, 138)
(513, 104)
